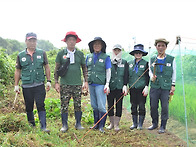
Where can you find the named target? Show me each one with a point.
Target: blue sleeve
(86, 60)
(108, 63)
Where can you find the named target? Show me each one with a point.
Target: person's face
(116, 51)
(138, 55)
(71, 42)
(97, 46)
(161, 47)
(31, 43)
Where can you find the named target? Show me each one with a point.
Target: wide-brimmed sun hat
(90, 44)
(139, 47)
(161, 40)
(73, 34)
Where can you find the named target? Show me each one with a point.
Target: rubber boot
(96, 119)
(116, 123)
(30, 118)
(163, 126)
(102, 122)
(154, 124)
(112, 118)
(42, 119)
(64, 117)
(78, 116)
(141, 121)
(135, 120)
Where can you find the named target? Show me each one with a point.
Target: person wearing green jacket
(71, 83)
(30, 65)
(162, 76)
(118, 86)
(139, 89)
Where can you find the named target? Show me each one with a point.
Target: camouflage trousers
(66, 93)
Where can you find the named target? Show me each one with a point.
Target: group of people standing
(106, 78)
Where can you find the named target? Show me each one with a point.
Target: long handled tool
(15, 99)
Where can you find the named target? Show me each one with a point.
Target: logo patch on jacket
(141, 66)
(168, 64)
(100, 60)
(23, 59)
(64, 56)
(131, 65)
(39, 57)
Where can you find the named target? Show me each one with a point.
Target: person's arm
(85, 82)
(173, 78)
(126, 74)
(147, 77)
(17, 75)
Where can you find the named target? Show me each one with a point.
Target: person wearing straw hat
(138, 89)
(70, 83)
(162, 76)
(99, 74)
(118, 86)
(29, 68)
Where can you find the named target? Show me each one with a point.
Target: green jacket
(133, 76)
(73, 75)
(97, 71)
(117, 76)
(164, 78)
(32, 71)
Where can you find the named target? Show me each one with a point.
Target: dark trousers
(36, 94)
(155, 95)
(137, 100)
(115, 94)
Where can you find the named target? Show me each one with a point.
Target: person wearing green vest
(29, 68)
(71, 83)
(118, 86)
(99, 74)
(163, 76)
(138, 89)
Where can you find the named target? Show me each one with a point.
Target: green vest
(73, 75)
(32, 71)
(117, 75)
(133, 76)
(97, 71)
(164, 78)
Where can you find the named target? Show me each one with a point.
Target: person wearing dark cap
(99, 74)
(70, 83)
(118, 86)
(163, 76)
(139, 89)
(29, 68)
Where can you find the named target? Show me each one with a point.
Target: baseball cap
(31, 35)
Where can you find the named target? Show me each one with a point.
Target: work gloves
(48, 86)
(145, 91)
(17, 89)
(106, 88)
(124, 90)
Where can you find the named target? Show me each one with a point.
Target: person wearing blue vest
(118, 86)
(163, 76)
(138, 89)
(99, 74)
(29, 68)
(70, 83)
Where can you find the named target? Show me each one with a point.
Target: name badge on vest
(100, 60)
(131, 65)
(39, 57)
(168, 64)
(64, 56)
(141, 66)
(90, 59)
(121, 65)
(23, 59)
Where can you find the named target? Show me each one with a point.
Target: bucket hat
(139, 47)
(90, 44)
(71, 33)
(161, 40)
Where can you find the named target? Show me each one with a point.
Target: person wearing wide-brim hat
(70, 82)
(118, 85)
(99, 74)
(139, 89)
(162, 83)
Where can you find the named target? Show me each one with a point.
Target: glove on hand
(125, 90)
(106, 88)
(17, 88)
(145, 91)
(48, 85)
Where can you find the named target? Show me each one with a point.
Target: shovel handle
(15, 99)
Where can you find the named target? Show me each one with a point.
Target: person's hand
(57, 87)
(48, 86)
(172, 90)
(154, 77)
(125, 91)
(17, 89)
(107, 88)
(145, 91)
(85, 86)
